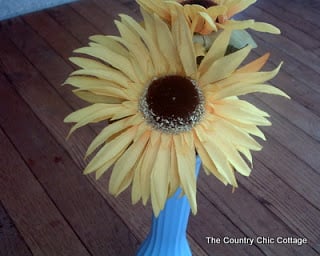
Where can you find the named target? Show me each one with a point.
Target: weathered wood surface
(11, 242)
(49, 208)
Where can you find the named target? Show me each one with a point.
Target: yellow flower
(165, 108)
(207, 16)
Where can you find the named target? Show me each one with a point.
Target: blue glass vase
(168, 233)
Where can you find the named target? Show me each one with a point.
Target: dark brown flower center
(172, 104)
(205, 3)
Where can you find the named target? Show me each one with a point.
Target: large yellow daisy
(207, 16)
(165, 108)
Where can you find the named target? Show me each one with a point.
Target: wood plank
(43, 228)
(251, 211)
(299, 215)
(280, 10)
(291, 48)
(131, 5)
(300, 70)
(290, 169)
(302, 110)
(294, 112)
(11, 242)
(67, 17)
(219, 226)
(86, 211)
(267, 11)
(297, 141)
(302, 9)
(42, 23)
(116, 7)
(87, 8)
(316, 51)
(24, 76)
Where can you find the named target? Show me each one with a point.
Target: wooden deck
(49, 208)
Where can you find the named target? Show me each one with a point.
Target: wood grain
(54, 169)
(42, 226)
(280, 198)
(11, 242)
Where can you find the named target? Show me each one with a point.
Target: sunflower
(207, 16)
(164, 108)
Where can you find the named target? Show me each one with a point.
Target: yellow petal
(88, 83)
(86, 63)
(101, 170)
(97, 90)
(110, 150)
(183, 39)
(123, 170)
(186, 161)
(111, 75)
(127, 108)
(108, 132)
(207, 162)
(216, 51)
(90, 114)
(241, 88)
(199, 49)
(255, 65)
(191, 12)
(174, 180)
(249, 128)
(149, 24)
(137, 186)
(246, 152)
(160, 175)
(209, 24)
(236, 135)
(265, 27)
(237, 24)
(106, 91)
(218, 157)
(136, 191)
(87, 115)
(167, 46)
(149, 157)
(196, 24)
(156, 6)
(156, 55)
(223, 67)
(94, 98)
(111, 43)
(215, 11)
(110, 57)
(137, 48)
(226, 146)
(241, 111)
(238, 6)
(79, 114)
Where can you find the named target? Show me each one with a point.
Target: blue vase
(168, 233)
